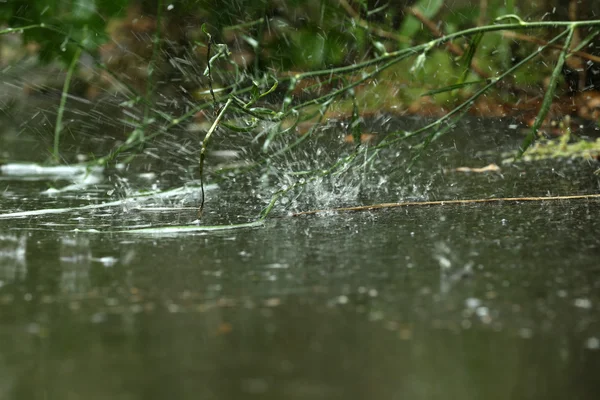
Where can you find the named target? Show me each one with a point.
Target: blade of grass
(58, 126)
(547, 102)
(468, 56)
(151, 67)
(467, 103)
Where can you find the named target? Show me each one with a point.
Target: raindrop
(33, 328)
(525, 333)
(592, 343)
(583, 303)
(482, 312)
(472, 302)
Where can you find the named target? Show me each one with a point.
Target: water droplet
(592, 343)
(583, 303)
(472, 302)
(525, 333)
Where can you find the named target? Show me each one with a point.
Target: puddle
(496, 300)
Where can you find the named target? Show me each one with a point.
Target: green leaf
(467, 58)
(240, 129)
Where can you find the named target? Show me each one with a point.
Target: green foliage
(65, 24)
(429, 8)
(317, 51)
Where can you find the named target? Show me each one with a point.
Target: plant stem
(58, 126)
(547, 102)
(151, 67)
(203, 152)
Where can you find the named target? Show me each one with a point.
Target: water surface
(490, 301)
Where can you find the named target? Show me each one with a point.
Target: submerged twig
(446, 202)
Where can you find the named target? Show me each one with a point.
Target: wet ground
(483, 301)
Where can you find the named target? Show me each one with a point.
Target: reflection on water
(465, 301)
(12, 258)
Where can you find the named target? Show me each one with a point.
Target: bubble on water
(277, 266)
(106, 261)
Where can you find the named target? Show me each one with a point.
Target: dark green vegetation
(277, 71)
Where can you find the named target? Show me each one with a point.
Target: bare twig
(373, 29)
(531, 39)
(454, 49)
(448, 202)
(203, 152)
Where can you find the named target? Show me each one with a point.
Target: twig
(203, 152)
(210, 82)
(446, 202)
(454, 49)
(531, 39)
(365, 24)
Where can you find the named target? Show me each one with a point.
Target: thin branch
(447, 202)
(548, 97)
(532, 39)
(453, 48)
(203, 152)
(373, 29)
